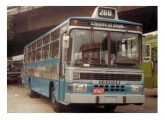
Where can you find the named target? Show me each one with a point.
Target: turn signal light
(138, 28)
(75, 22)
(69, 87)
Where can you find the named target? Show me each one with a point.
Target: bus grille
(104, 76)
(111, 88)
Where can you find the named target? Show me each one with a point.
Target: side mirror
(66, 41)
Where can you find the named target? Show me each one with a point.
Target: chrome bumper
(104, 99)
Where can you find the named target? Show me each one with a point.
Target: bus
(150, 60)
(87, 60)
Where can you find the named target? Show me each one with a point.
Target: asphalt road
(18, 101)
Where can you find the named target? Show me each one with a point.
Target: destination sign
(107, 25)
(102, 24)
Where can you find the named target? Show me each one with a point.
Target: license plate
(98, 91)
(109, 82)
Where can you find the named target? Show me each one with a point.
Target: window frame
(109, 42)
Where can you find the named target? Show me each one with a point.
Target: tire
(32, 94)
(109, 108)
(57, 107)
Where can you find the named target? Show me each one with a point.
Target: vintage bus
(87, 60)
(150, 60)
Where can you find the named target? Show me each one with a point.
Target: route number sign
(106, 13)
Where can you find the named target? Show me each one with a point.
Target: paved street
(18, 101)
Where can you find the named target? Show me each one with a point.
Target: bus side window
(33, 56)
(25, 58)
(29, 48)
(39, 43)
(38, 54)
(45, 52)
(55, 35)
(34, 46)
(54, 49)
(25, 55)
(28, 57)
(46, 39)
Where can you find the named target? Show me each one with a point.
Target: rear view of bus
(99, 63)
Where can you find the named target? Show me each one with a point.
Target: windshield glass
(124, 48)
(90, 48)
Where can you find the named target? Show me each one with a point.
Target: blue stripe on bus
(43, 63)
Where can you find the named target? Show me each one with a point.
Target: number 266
(104, 12)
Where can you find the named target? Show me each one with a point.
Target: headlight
(80, 87)
(135, 88)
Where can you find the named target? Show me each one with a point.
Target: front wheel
(58, 107)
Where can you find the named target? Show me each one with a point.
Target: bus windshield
(90, 48)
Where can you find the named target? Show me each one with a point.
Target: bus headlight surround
(80, 87)
(136, 88)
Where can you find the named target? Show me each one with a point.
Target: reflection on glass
(124, 48)
(88, 48)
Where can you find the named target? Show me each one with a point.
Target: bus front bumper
(104, 99)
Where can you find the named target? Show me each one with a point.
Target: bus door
(63, 48)
(154, 68)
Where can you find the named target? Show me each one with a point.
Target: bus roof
(86, 18)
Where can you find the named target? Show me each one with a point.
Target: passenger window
(25, 59)
(45, 52)
(33, 56)
(38, 54)
(28, 57)
(29, 48)
(24, 55)
(55, 35)
(24, 50)
(33, 46)
(39, 43)
(54, 49)
(46, 39)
